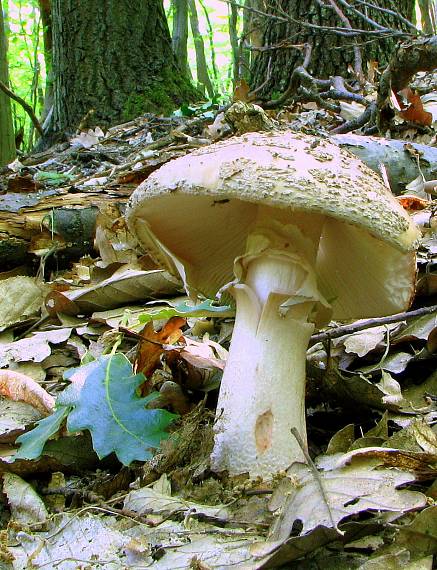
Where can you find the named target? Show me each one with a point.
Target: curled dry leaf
(19, 387)
(153, 344)
(126, 285)
(414, 111)
(26, 505)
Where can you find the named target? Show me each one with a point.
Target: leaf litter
(134, 370)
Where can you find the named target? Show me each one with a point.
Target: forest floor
(90, 324)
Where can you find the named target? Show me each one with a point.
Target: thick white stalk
(262, 395)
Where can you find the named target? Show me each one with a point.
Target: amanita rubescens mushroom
(297, 231)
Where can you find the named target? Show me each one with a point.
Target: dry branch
(25, 106)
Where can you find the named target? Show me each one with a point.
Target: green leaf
(48, 177)
(184, 111)
(204, 309)
(208, 115)
(32, 442)
(107, 405)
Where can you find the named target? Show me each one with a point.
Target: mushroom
(298, 231)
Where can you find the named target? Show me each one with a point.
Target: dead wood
(403, 161)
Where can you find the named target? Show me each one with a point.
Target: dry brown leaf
(372, 69)
(415, 111)
(126, 285)
(152, 344)
(22, 388)
(412, 203)
(241, 92)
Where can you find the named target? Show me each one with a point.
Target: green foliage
(216, 39)
(102, 399)
(204, 309)
(27, 67)
(156, 97)
(52, 178)
(26, 60)
(206, 110)
(32, 442)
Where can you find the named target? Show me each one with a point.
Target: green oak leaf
(32, 442)
(108, 406)
(204, 309)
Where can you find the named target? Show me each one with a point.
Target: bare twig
(368, 323)
(358, 60)
(388, 11)
(337, 30)
(25, 106)
(315, 473)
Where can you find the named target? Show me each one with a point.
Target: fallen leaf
(153, 344)
(87, 139)
(19, 387)
(413, 203)
(429, 101)
(362, 342)
(147, 500)
(14, 418)
(391, 389)
(415, 111)
(124, 286)
(27, 508)
(70, 541)
(345, 484)
(241, 91)
(35, 348)
(20, 298)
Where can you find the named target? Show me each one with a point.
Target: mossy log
(50, 221)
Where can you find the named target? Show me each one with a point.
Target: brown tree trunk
(179, 36)
(331, 54)
(112, 61)
(201, 66)
(7, 139)
(45, 10)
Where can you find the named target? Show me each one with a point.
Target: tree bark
(331, 54)
(427, 15)
(201, 65)
(45, 10)
(112, 61)
(7, 138)
(179, 34)
(233, 38)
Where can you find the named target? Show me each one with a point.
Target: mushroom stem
(262, 395)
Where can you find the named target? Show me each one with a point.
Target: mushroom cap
(193, 216)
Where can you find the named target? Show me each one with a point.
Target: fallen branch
(368, 116)
(418, 54)
(367, 324)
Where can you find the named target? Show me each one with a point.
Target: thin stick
(315, 473)
(355, 327)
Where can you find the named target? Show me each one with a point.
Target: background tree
(45, 11)
(428, 9)
(332, 29)
(7, 138)
(112, 61)
(201, 66)
(179, 34)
